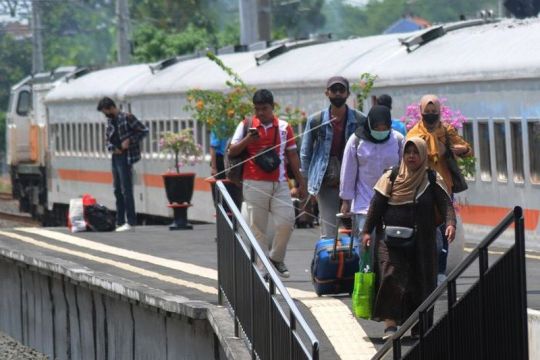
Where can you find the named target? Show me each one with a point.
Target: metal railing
(489, 321)
(263, 310)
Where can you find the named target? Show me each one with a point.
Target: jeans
(123, 190)
(329, 203)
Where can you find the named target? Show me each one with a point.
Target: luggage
(334, 264)
(99, 218)
(303, 213)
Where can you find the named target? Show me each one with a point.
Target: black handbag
(458, 180)
(401, 236)
(267, 159)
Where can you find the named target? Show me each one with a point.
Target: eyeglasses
(338, 89)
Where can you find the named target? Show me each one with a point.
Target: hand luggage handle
(341, 216)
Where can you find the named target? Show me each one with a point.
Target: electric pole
(37, 41)
(122, 32)
(249, 27)
(265, 20)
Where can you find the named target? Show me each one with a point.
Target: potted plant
(179, 186)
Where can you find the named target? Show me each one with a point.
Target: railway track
(22, 219)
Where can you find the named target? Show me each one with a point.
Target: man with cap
(398, 125)
(322, 149)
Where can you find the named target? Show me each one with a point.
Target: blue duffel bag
(334, 264)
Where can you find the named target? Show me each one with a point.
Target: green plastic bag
(364, 288)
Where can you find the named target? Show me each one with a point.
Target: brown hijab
(408, 182)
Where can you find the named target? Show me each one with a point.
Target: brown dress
(406, 276)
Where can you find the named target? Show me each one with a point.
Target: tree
(298, 19)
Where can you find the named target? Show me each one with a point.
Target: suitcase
(334, 264)
(303, 213)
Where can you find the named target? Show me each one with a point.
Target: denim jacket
(316, 144)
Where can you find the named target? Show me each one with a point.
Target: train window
(516, 140)
(85, 138)
(101, 138)
(500, 151)
(68, 137)
(485, 152)
(147, 140)
(534, 150)
(91, 139)
(79, 138)
(168, 126)
(175, 125)
(468, 133)
(24, 103)
(155, 137)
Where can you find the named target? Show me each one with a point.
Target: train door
(19, 124)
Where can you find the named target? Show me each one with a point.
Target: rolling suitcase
(334, 264)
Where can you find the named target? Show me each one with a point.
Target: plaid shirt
(128, 128)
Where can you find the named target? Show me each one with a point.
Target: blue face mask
(378, 135)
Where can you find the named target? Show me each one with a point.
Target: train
(487, 68)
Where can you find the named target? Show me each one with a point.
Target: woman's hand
(366, 240)
(459, 149)
(346, 207)
(450, 233)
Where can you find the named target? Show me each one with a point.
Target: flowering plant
(363, 88)
(223, 111)
(449, 116)
(183, 146)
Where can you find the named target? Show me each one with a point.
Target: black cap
(337, 80)
(385, 100)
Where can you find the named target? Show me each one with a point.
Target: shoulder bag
(458, 180)
(268, 159)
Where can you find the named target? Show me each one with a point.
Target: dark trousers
(234, 191)
(123, 190)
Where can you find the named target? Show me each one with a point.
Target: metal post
(519, 223)
(264, 15)
(122, 32)
(249, 27)
(37, 40)
(452, 298)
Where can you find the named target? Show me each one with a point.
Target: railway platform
(181, 266)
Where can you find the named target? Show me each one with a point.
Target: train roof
(459, 52)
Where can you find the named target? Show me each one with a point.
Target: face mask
(430, 118)
(378, 134)
(338, 102)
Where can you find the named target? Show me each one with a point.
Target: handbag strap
(414, 199)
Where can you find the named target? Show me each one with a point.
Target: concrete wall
(65, 314)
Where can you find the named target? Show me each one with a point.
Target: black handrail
(421, 314)
(229, 213)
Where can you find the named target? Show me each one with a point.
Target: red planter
(179, 187)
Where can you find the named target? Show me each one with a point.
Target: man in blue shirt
(218, 149)
(398, 125)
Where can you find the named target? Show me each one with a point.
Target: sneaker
(389, 332)
(281, 268)
(440, 279)
(125, 227)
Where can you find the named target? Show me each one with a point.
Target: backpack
(99, 218)
(234, 165)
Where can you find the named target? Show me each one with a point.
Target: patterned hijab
(408, 181)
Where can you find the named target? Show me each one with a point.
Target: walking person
(398, 125)
(406, 267)
(123, 134)
(218, 147)
(439, 137)
(264, 179)
(322, 149)
(372, 149)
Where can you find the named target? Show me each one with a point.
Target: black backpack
(99, 218)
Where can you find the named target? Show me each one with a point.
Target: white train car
(490, 70)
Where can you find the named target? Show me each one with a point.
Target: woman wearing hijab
(372, 149)
(406, 275)
(436, 134)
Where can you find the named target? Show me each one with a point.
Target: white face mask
(378, 134)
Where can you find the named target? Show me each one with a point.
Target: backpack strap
(316, 124)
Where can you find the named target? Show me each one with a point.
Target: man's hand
(117, 151)
(125, 144)
(459, 149)
(346, 207)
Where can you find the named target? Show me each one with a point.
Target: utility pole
(249, 27)
(122, 32)
(37, 41)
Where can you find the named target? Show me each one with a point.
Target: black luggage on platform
(303, 213)
(334, 264)
(99, 218)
